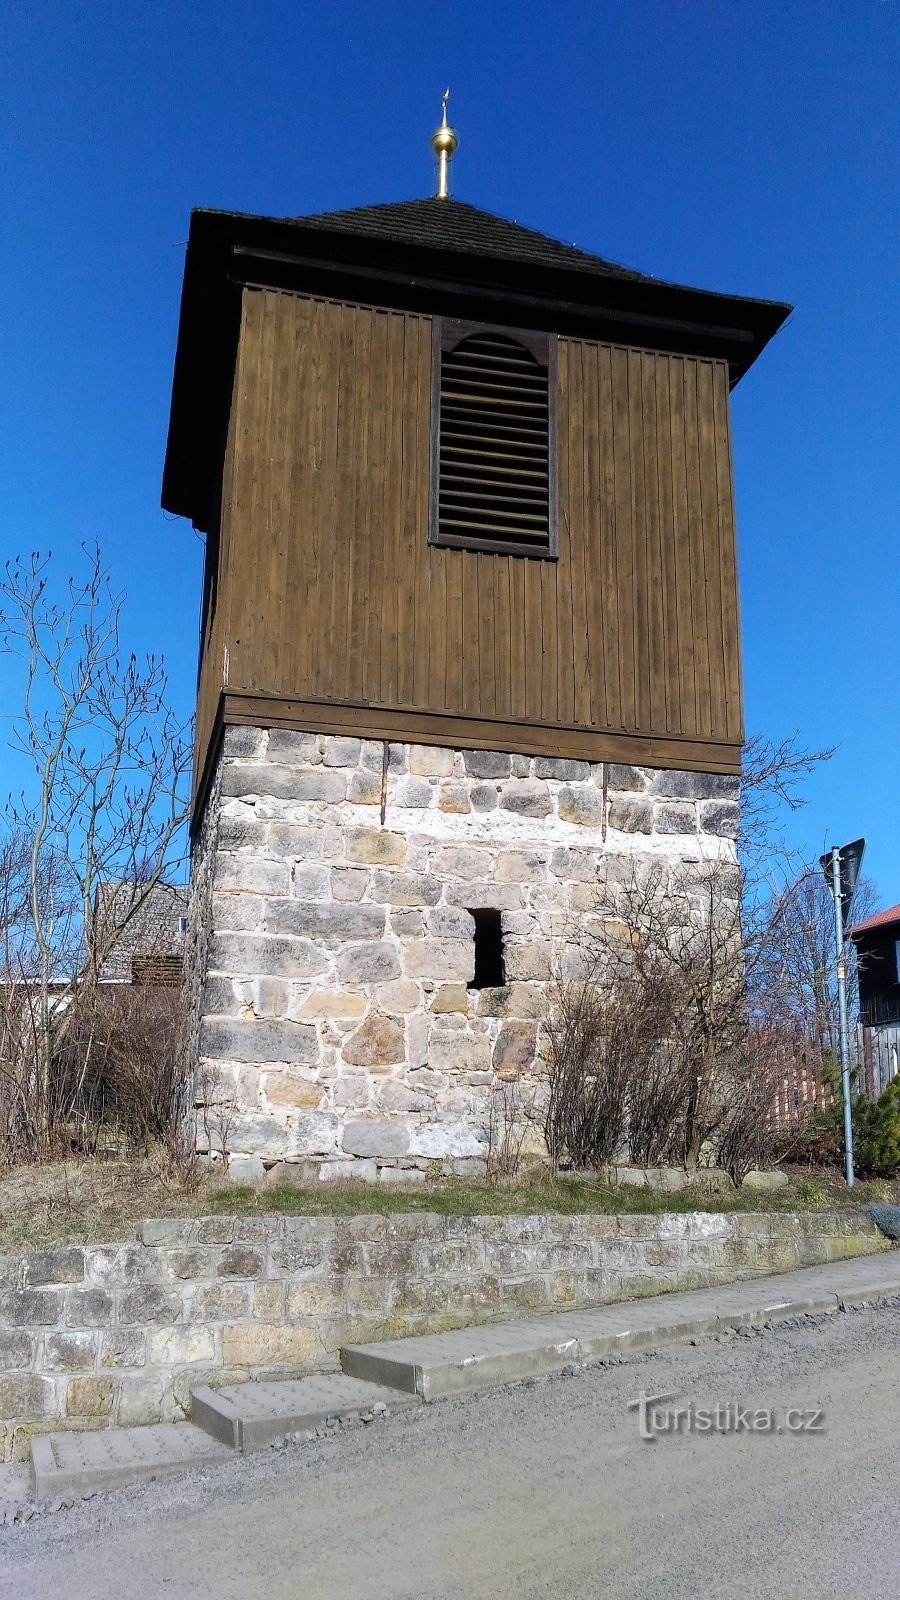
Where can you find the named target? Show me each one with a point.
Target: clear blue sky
(742, 145)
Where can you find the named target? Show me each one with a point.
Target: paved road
(543, 1490)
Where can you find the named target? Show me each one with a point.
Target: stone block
(90, 1397)
(68, 1352)
(65, 1265)
(526, 797)
(290, 745)
(311, 881)
(450, 997)
(373, 756)
(353, 1093)
(246, 1168)
(186, 1261)
(17, 1348)
(347, 1171)
(23, 1308)
(579, 866)
(487, 763)
(531, 960)
(515, 1046)
(675, 818)
(181, 1346)
(316, 1297)
(306, 1133)
(161, 1231)
(329, 925)
(394, 1096)
(485, 796)
(241, 833)
(630, 816)
(402, 996)
(141, 1401)
(261, 1344)
(240, 1261)
(123, 1347)
(268, 1301)
(720, 817)
(525, 1000)
(414, 793)
(558, 767)
(379, 1041)
(454, 798)
(430, 761)
(375, 1136)
(379, 848)
(451, 922)
(582, 806)
(440, 959)
(695, 785)
(765, 1180)
(619, 776)
(27, 1395)
(406, 888)
(341, 752)
(243, 873)
(377, 962)
(294, 842)
(349, 883)
(459, 1053)
(364, 789)
(288, 1089)
(87, 1308)
(258, 1039)
(148, 1303)
(434, 1140)
(252, 955)
(247, 744)
(272, 782)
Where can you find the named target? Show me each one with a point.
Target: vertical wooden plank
(345, 504)
(255, 551)
(639, 540)
(709, 487)
(591, 455)
(291, 642)
(393, 511)
(697, 549)
(323, 553)
(565, 647)
(654, 575)
(502, 636)
(410, 468)
(616, 566)
(518, 645)
(669, 576)
(422, 552)
(731, 621)
(681, 516)
(486, 699)
(534, 640)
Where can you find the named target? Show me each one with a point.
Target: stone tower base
(332, 959)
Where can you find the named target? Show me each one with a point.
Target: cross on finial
(443, 142)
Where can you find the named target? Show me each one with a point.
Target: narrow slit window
(493, 486)
(489, 972)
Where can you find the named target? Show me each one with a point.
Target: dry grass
(100, 1201)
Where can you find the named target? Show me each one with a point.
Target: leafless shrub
(106, 804)
(118, 1076)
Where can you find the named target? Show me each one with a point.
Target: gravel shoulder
(541, 1490)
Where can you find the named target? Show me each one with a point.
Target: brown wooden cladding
(330, 592)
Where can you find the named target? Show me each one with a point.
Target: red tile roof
(881, 919)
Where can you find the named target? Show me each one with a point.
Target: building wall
(329, 594)
(120, 1334)
(336, 1021)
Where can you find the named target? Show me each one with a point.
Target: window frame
(447, 333)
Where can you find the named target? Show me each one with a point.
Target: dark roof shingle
(455, 225)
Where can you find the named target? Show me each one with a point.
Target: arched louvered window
(493, 479)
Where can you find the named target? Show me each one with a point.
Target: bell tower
(469, 647)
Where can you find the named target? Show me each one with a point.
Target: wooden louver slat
(494, 461)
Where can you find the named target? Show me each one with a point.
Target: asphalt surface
(545, 1489)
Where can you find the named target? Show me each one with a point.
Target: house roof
(435, 224)
(880, 919)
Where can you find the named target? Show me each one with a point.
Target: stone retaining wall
(121, 1333)
(333, 958)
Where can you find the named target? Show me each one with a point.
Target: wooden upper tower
(461, 484)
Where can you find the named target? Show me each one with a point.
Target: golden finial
(444, 141)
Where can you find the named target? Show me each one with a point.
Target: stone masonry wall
(121, 1333)
(337, 1021)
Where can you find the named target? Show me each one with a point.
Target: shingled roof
(456, 225)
